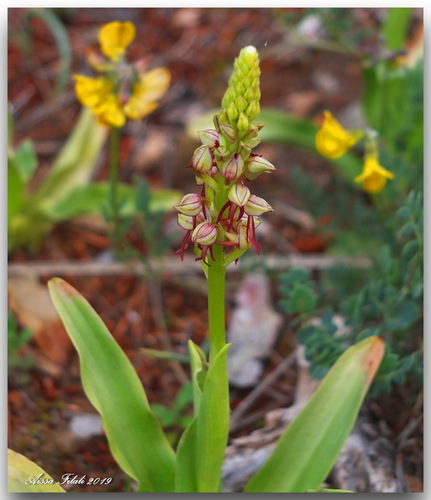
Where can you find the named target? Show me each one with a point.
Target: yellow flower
(150, 88)
(373, 175)
(332, 140)
(97, 94)
(110, 112)
(115, 37)
(90, 91)
(120, 92)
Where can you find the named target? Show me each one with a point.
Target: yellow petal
(367, 170)
(136, 108)
(155, 83)
(373, 175)
(90, 91)
(97, 62)
(151, 87)
(374, 183)
(115, 37)
(372, 165)
(330, 146)
(382, 171)
(109, 112)
(332, 140)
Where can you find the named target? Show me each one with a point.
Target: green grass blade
(20, 471)
(135, 436)
(310, 445)
(61, 39)
(165, 355)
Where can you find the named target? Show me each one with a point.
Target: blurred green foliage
(33, 211)
(22, 37)
(334, 29)
(387, 299)
(297, 288)
(141, 212)
(16, 338)
(67, 189)
(174, 418)
(389, 304)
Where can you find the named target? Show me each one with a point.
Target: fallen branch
(173, 265)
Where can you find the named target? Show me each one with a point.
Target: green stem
(217, 340)
(216, 283)
(216, 311)
(114, 150)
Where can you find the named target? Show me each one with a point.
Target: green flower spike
(241, 101)
(220, 222)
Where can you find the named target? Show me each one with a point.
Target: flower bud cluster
(226, 213)
(241, 100)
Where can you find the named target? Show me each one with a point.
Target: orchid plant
(220, 223)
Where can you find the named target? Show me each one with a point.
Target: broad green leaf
(134, 434)
(15, 191)
(24, 476)
(75, 163)
(186, 472)
(281, 127)
(212, 425)
(185, 476)
(329, 490)
(309, 446)
(25, 159)
(73, 168)
(89, 200)
(202, 446)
